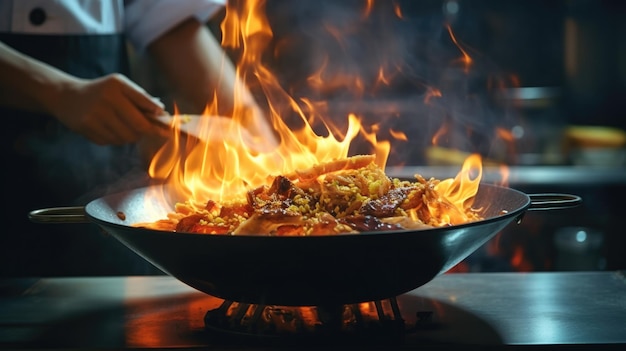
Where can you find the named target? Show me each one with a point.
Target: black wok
(294, 271)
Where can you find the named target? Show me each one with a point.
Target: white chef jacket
(142, 21)
(87, 39)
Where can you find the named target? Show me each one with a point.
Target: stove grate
(375, 320)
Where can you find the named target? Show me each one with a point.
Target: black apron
(47, 165)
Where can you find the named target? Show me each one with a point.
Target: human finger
(141, 99)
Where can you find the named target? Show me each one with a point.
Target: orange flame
(229, 159)
(398, 135)
(460, 191)
(505, 172)
(338, 80)
(232, 156)
(465, 59)
(441, 132)
(369, 5)
(381, 77)
(431, 93)
(397, 10)
(505, 135)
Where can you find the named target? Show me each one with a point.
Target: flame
(466, 60)
(398, 135)
(232, 155)
(505, 135)
(505, 172)
(229, 159)
(369, 5)
(381, 77)
(431, 93)
(397, 10)
(459, 191)
(339, 80)
(441, 133)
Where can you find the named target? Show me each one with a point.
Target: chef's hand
(108, 110)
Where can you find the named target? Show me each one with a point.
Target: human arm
(197, 69)
(108, 110)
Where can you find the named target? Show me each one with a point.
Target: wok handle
(543, 202)
(73, 214)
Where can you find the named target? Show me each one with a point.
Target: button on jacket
(141, 20)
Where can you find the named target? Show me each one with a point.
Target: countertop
(568, 309)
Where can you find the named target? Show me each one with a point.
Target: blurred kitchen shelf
(525, 175)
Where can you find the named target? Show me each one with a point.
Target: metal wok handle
(74, 214)
(543, 202)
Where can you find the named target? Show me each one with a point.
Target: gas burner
(368, 321)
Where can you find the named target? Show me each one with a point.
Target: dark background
(572, 53)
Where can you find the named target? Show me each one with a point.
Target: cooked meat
(343, 196)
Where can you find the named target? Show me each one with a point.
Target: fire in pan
(310, 270)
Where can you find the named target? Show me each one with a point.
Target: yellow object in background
(595, 145)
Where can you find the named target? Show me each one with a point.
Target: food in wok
(304, 270)
(350, 195)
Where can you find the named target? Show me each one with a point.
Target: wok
(303, 271)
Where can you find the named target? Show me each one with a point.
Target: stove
(565, 309)
(375, 321)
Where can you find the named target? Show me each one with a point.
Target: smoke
(386, 63)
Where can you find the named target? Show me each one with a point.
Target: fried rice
(348, 196)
